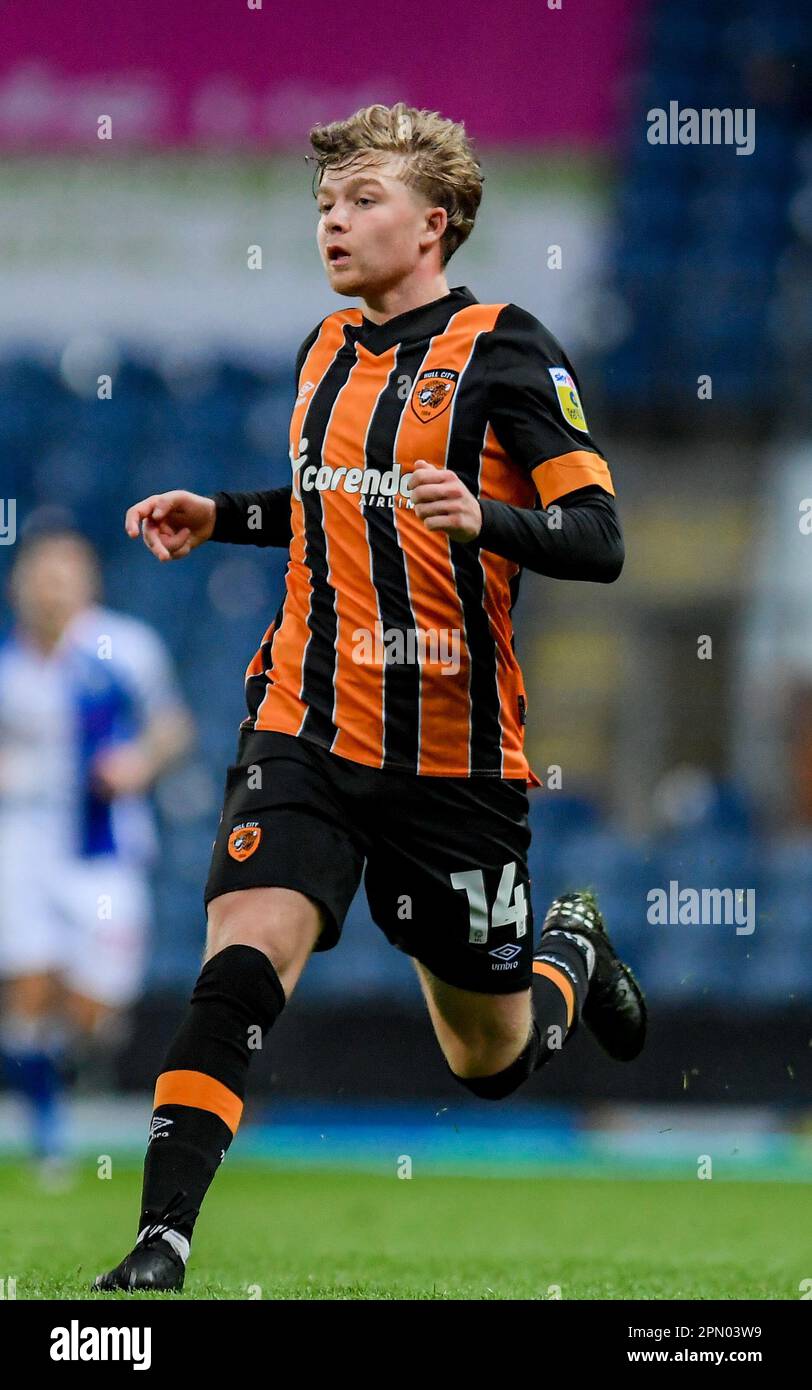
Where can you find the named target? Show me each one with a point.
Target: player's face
(370, 226)
(54, 582)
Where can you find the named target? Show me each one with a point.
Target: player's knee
(500, 1084)
(236, 1000)
(243, 980)
(282, 924)
(483, 1045)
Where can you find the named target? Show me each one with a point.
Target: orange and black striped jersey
(393, 646)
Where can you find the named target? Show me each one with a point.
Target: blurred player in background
(438, 445)
(90, 717)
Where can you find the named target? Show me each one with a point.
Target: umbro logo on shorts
(506, 952)
(505, 956)
(244, 839)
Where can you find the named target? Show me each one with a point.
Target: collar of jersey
(422, 322)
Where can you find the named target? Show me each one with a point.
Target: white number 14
(509, 907)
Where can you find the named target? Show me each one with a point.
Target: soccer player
(385, 729)
(90, 716)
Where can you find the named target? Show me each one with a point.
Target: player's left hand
(444, 503)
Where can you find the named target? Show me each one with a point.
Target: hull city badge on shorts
(432, 393)
(244, 839)
(568, 398)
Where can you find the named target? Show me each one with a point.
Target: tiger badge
(244, 839)
(433, 392)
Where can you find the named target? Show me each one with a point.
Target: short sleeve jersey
(394, 645)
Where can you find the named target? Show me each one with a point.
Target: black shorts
(444, 859)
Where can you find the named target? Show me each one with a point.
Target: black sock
(199, 1092)
(560, 985)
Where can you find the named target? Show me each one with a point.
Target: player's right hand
(172, 523)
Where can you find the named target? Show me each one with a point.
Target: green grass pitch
(326, 1234)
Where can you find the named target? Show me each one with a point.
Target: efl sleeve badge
(568, 398)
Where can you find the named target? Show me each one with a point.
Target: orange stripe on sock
(540, 967)
(202, 1092)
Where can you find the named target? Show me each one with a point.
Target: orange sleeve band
(540, 967)
(202, 1092)
(556, 477)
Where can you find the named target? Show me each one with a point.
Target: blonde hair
(439, 161)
